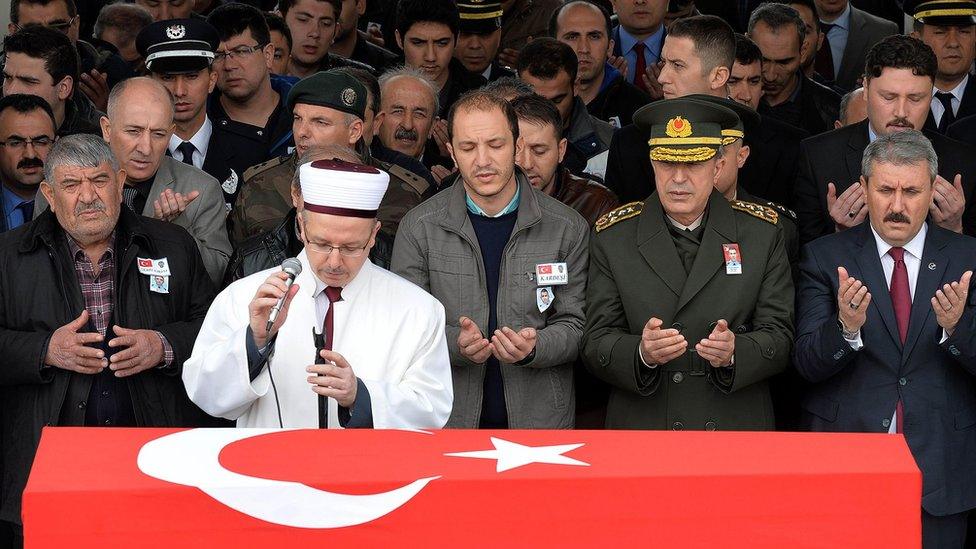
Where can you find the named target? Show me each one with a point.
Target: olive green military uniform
(266, 197)
(643, 266)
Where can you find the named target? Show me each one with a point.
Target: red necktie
(901, 301)
(334, 294)
(641, 68)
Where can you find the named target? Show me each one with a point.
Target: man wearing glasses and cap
(686, 331)
(179, 54)
(382, 359)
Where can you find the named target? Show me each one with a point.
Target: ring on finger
(852, 213)
(854, 305)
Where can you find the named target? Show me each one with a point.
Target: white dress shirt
(938, 109)
(200, 140)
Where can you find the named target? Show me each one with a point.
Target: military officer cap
(684, 130)
(178, 45)
(480, 16)
(748, 118)
(333, 89)
(942, 12)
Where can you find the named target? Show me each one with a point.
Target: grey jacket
(437, 249)
(205, 217)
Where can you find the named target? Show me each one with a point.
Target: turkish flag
(145, 262)
(109, 488)
(545, 269)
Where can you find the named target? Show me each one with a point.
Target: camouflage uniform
(265, 198)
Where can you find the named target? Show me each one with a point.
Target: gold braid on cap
(666, 154)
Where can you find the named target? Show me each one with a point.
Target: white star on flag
(511, 454)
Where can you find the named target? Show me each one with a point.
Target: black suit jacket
(857, 391)
(967, 107)
(835, 157)
(768, 173)
(816, 107)
(866, 31)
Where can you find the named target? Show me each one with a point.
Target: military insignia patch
(678, 127)
(175, 32)
(230, 184)
(348, 97)
(762, 212)
(626, 211)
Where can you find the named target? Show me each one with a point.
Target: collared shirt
(694, 224)
(11, 211)
(938, 109)
(98, 290)
(513, 205)
(200, 140)
(652, 50)
(871, 135)
(837, 36)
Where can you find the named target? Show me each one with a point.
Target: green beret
(335, 90)
(684, 130)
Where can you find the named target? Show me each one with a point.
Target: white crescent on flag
(191, 458)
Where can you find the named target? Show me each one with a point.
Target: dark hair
(713, 38)
(15, 7)
(277, 23)
(368, 80)
(59, 54)
(554, 20)
(409, 12)
(481, 100)
(285, 5)
(128, 19)
(776, 16)
(538, 110)
(746, 51)
(899, 51)
(235, 18)
(508, 85)
(27, 103)
(545, 57)
(809, 4)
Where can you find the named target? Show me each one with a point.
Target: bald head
(139, 89)
(138, 125)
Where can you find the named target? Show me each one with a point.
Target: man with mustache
(408, 110)
(886, 334)
(87, 338)
(484, 247)
(899, 76)
(686, 338)
(26, 135)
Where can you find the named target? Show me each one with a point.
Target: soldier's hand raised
(719, 346)
(659, 346)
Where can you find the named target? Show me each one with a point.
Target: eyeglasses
(19, 143)
(60, 26)
(345, 251)
(237, 53)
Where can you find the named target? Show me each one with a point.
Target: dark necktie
(186, 149)
(333, 294)
(901, 301)
(27, 210)
(824, 63)
(640, 68)
(948, 117)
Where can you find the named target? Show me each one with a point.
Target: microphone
(293, 267)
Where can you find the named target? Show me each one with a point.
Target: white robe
(389, 330)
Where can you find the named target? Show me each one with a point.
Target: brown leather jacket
(586, 196)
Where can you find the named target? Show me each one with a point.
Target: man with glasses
(42, 62)
(184, 51)
(381, 359)
(101, 67)
(26, 136)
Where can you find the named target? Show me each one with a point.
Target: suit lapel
(656, 246)
(164, 180)
(869, 263)
(967, 105)
(855, 44)
(855, 152)
(719, 229)
(926, 284)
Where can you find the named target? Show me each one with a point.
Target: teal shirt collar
(475, 209)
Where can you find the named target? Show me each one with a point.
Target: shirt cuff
(256, 358)
(855, 343)
(167, 351)
(945, 336)
(640, 355)
(360, 415)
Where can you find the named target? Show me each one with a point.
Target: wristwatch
(846, 334)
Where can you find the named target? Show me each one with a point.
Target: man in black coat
(898, 87)
(99, 307)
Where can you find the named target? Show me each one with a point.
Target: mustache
(96, 206)
(405, 134)
(901, 121)
(897, 218)
(30, 163)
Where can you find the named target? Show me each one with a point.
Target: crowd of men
(531, 214)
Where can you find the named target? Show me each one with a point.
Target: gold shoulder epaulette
(782, 209)
(756, 210)
(626, 211)
(258, 168)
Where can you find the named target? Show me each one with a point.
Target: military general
(690, 299)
